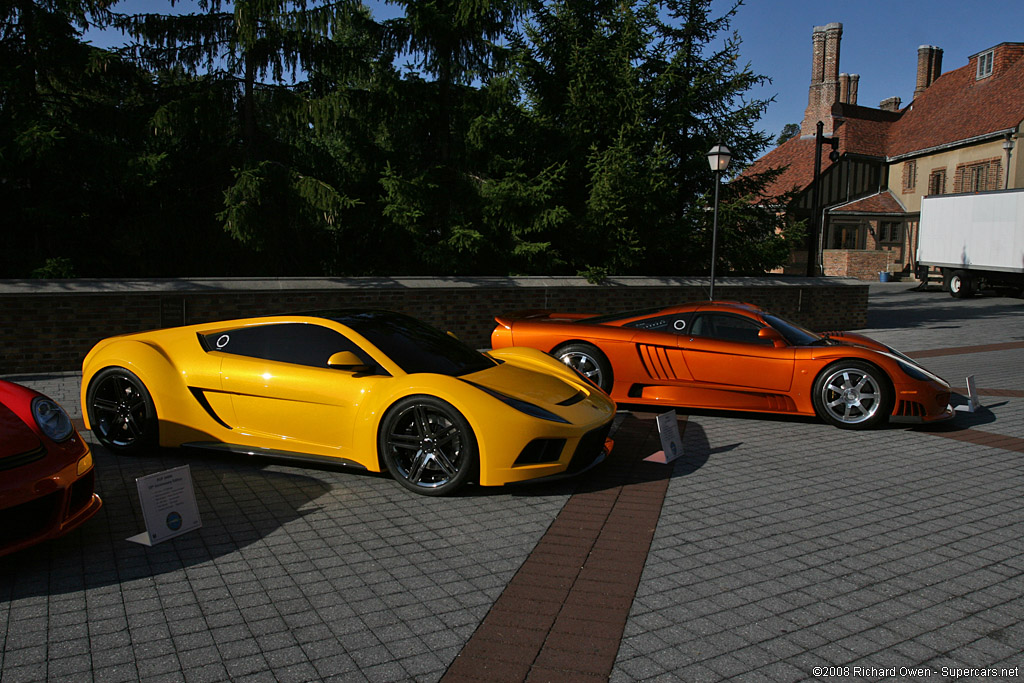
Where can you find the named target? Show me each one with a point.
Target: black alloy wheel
(427, 445)
(121, 411)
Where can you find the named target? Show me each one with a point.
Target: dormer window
(985, 64)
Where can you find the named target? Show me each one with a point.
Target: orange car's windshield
(794, 334)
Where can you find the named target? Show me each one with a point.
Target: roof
(862, 131)
(956, 108)
(879, 203)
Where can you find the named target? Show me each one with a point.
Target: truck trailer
(976, 240)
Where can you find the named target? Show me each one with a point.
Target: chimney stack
(848, 88)
(929, 67)
(824, 90)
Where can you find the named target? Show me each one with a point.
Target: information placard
(671, 441)
(168, 503)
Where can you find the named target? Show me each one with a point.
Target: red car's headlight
(51, 418)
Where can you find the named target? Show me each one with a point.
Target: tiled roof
(796, 159)
(861, 131)
(880, 202)
(958, 107)
(955, 108)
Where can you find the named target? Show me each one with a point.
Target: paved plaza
(775, 549)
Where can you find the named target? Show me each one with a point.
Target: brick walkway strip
(958, 350)
(562, 616)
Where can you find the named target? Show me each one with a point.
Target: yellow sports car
(371, 389)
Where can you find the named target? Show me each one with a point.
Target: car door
(283, 393)
(725, 349)
(656, 341)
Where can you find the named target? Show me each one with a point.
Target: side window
(298, 343)
(726, 327)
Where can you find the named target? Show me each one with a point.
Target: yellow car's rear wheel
(427, 445)
(121, 411)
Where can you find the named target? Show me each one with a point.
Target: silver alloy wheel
(425, 447)
(583, 363)
(851, 395)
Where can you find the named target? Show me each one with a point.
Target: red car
(46, 471)
(734, 356)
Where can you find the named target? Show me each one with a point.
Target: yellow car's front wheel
(427, 445)
(121, 411)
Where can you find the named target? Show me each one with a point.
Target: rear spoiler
(537, 314)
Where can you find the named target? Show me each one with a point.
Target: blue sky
(880, 41)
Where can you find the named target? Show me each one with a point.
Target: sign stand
(973, 401)
(671, 441)
(168, 505)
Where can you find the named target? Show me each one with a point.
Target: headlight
(916, 373)
(52, 419)
(523, 406)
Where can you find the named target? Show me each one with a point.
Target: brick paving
(775, 549)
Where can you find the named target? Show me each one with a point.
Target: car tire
(961, 286)
(427, 445)
(121, 411)
(852, 394)
(589, 361)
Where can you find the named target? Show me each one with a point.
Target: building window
(846, 236)
(890, 232)
(909, 176)
(985, 64)
(937, 181)
(978, 177)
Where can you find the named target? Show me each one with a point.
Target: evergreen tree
(629, 97)
(70, 124)
(246, 56)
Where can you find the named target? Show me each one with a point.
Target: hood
(855, 339)
(16, 437)
(523, 383)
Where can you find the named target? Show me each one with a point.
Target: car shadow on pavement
(963, 420)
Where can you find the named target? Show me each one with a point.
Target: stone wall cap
(206, 285)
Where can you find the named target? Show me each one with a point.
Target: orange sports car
(734, 356)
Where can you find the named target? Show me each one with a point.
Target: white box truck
(976, 240)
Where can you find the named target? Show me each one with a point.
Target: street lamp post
(814, 236)
(719, 158)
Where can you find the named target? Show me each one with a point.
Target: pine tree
(246, 58)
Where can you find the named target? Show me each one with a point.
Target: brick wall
(48, 326)
(859, 263)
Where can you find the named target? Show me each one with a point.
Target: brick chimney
(848, 88)
(824, 90)
(929, 67)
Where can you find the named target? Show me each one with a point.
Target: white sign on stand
(168, 505)
(671, 441)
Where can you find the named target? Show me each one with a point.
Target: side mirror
(772, 335)
(346, 360)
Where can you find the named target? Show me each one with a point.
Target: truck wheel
(960, 285)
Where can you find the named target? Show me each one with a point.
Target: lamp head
(719, 158)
